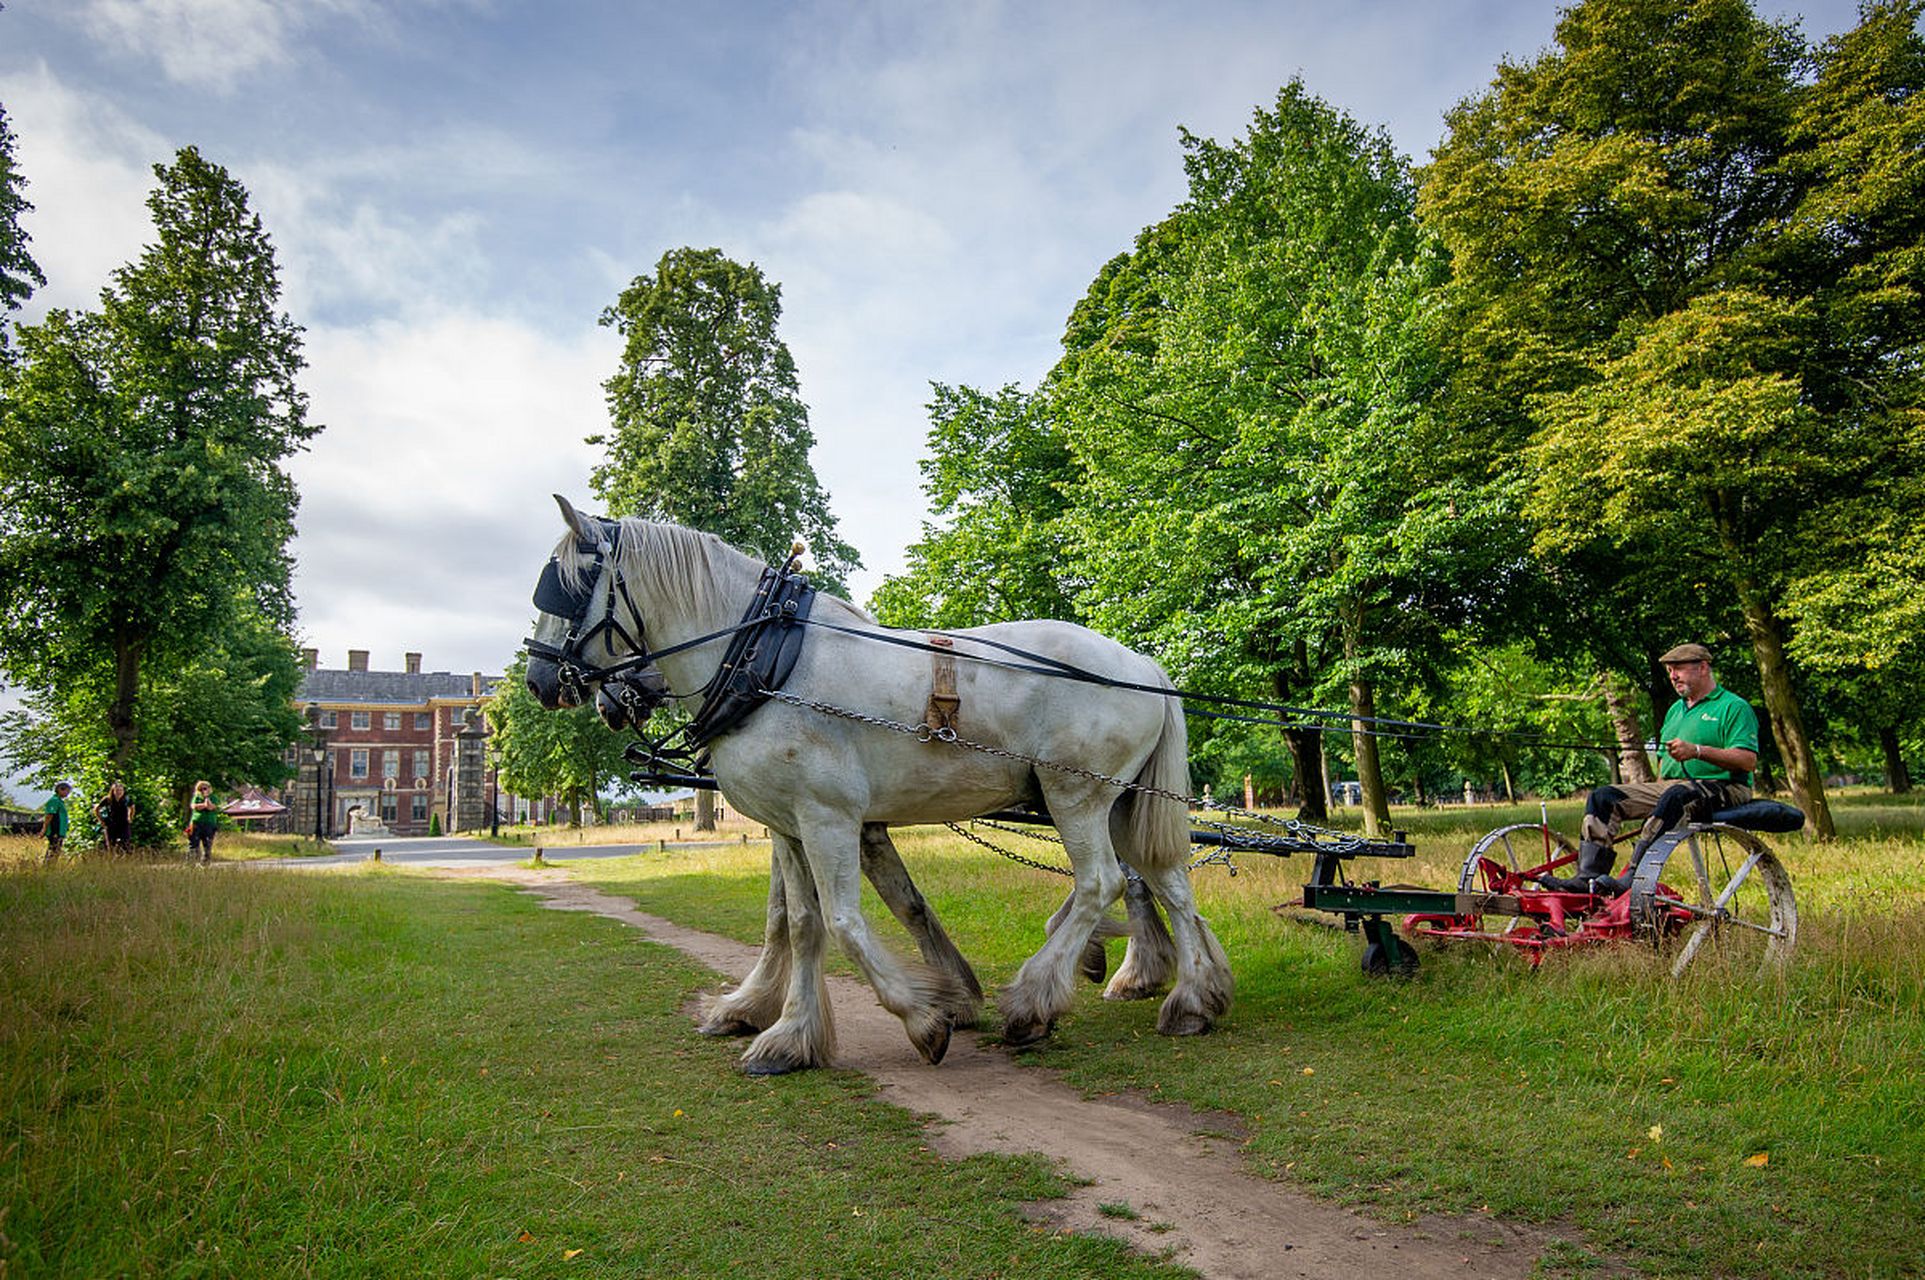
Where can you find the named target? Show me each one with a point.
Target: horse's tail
(1159, 825)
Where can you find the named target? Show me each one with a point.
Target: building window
(358, 763)
(391, 764)
(357, 720)
(419, 808)
(420, 764)
(458, 716)
(391, 720)
(330, 720)
(424, 720)
(388, 808)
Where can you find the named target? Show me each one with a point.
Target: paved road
(449, 851)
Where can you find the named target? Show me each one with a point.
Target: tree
(1654, 249)
(706, 422)
(568, 753)
(19, 274)
(996, 476)
(146, 517)
(1247, 397)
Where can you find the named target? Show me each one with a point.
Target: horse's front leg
(804, 1035)
(756, 1001)
(920, 996)
(1044, 986)
(883, 867)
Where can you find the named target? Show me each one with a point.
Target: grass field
(372, 1074)
(1723, 1124)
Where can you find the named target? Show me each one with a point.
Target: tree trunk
(1781, 704)
(1510, 792)
(120, 716)
(1363, 741)
(1898, 780)
(704, 810)
(1632, 764)
(1305, 745)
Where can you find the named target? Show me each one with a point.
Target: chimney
(357, 659)
(310, 659)
(476, 684)
(414, 663)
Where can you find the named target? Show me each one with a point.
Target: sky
(456, 189)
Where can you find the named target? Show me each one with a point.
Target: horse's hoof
(1184, 1024)
(770, 1067)
(1130, 991)
(728, 1027)
(1021, 1035)
(933, 1046)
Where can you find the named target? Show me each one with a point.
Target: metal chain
(1017, 858)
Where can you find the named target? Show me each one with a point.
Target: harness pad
(759, 658)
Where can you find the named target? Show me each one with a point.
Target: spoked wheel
(1516, 848)
(1734, 908)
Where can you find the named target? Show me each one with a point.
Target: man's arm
(1730, 759)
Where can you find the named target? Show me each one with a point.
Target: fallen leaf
(1760, 1160)
(566, 1254)
(678, 1111)
(525, 1238)
(1310, 1071)
(1667, 1162)
(1656, 1131)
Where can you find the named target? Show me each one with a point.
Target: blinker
(551, 597)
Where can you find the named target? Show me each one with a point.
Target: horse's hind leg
(804, 1036)
(1204, 985)
(756, 1001)
(1044, 986)
(1150, 960)
(883, 867)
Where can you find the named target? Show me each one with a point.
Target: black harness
(762, 649)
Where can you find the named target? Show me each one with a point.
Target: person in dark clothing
(115, 813)
(1710, 738)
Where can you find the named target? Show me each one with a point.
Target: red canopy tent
(253, 807)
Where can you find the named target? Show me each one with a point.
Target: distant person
(115, 813)
(204, 822)
(54, 825)
(1710, 738)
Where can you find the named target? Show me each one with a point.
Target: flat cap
(1686, 653)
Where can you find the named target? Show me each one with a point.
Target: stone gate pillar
(470, 802)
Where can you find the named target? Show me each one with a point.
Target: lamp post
(318, 752)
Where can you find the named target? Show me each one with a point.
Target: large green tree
(1653, 231)
(706, 421)
(1265, 496)
(19, 274)
(997, 478)
(145, 515)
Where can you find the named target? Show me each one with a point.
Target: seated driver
(1710, 737)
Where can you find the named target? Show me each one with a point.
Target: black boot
(1593, 869)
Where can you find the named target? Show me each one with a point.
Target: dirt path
(1216, 1217)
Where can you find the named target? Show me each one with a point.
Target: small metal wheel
(1734, 904)
(1518, 848)
(1386, 953)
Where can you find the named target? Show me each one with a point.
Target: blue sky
(457, 188)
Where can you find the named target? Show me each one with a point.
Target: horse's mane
(686, 569)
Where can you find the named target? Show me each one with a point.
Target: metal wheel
(1735, 907)
(1522, 847)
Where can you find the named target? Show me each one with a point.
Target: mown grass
(371, 1074)
(1724, 1124)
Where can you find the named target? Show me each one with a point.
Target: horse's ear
(575, 520)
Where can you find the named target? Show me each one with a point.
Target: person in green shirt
(54, 825)
(206, 820)
(1710, 747)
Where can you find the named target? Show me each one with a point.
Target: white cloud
(211, 44)
(425, 509)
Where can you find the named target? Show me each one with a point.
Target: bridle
(575, 673)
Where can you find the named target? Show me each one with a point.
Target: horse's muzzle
(545, 684)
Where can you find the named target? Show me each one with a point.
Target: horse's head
(577, 631)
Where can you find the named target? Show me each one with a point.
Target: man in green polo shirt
(1710, 747)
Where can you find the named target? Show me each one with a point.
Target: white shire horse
(825, 784)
